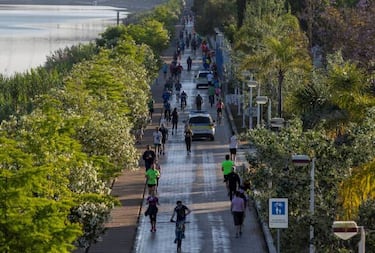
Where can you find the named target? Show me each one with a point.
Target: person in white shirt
(233, 144)
(157, 140)
(210, 77)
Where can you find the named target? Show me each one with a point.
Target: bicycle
(183, 103)
(178, 96)
(179, 232)
(219, 117)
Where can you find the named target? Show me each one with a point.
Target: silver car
(201, 125)
(201, 78)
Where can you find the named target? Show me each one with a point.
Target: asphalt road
(197, 180)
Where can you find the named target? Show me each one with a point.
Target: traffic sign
(278, 212)
(345, 229)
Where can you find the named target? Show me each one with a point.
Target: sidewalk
(129, 188)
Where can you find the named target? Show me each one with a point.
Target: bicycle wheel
(219, 118)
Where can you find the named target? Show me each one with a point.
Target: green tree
(35, 200)
(280, 52)
(63, 60)
(273, 175)
(151, 32)
(359, 187)
(210, 15)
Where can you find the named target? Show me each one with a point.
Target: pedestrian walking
(234, 183)
(150, 105)
(151, 179)
(174, 120)
(165, 70)
(148, 157)
(158, 168)
(167, 111)
(238, 210)
(233, 145)
(164, 137)
(152, 210)
(138, 134)
(199, 102)
(189, 62)
(210, 77)
(188, 138)
(226, 168)
(157, 136)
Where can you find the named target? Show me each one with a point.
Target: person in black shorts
(164, 137)
(233, 145)
(152, 210)
(181, 211)
(174, 120)
(149, 157)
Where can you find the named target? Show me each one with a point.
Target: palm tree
(283, 50)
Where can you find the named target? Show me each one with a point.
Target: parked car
(200, 78)
(202, 125)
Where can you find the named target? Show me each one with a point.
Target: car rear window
(202, 75)
(200, 120)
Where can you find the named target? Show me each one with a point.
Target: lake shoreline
(132, 6)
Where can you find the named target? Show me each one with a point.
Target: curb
(266, 232)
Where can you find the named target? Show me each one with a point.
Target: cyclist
(178, 87)
(181, 211)
(183, 99)
(219, 110)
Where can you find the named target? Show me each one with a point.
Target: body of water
(29, 33)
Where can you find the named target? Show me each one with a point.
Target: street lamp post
(238, 100)
(269, 113)
(251, 84)
(260, 100)
(243, 104)
(303, 160)
(245, 75)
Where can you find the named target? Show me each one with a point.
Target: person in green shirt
(152, 175)
(211, 94)
(226, 168)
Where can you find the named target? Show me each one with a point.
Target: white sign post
(347, 229)
(278, 216)
(278, 213)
